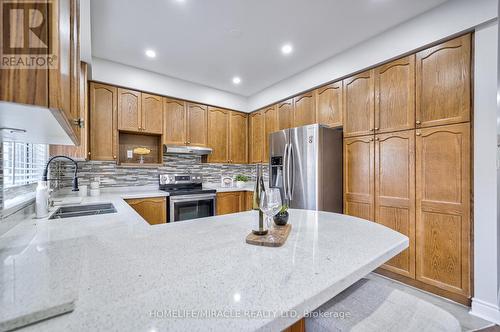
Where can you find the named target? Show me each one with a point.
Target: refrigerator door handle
(285, 172)
(291, 184)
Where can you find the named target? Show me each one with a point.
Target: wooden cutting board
(276, 237)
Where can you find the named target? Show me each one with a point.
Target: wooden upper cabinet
(304, 110)
(395, 193)
(238, 138)
(444, 83)
(359, 177)
(329, 104)
(174, 122)
(103, 121)
(359, 104)
(256, 133)
(270, 126)
(129, 110)
(285, 114)
(152, 114)
(196, 124)
(80, 152)
(395, 95)
(443, 189)
(218, 135)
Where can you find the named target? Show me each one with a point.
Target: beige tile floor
(467, 321)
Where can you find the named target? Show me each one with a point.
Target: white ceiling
(210, 41)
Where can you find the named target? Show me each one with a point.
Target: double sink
(83, 210)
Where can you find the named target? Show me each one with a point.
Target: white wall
(85, 32)
(135, 78)
(486, 256)
(448, 19)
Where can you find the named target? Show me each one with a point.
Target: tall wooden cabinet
(359, 105)
(329, 104)
(359, 177)
(443, 185)
(304, 109)
(395, 95)
(285, 114)
(103, 121)
(443, 94)
(395, 193)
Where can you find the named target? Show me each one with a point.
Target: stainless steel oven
(185, 207)
(187, 198)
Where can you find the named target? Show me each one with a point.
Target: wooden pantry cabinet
(395, 95)
(395, 193)
(443, 73)
(230, 202)
(285, 114)
(152, 209)
(103, 121)
(304, 109)
(443, 187)
(329, 104)
(227, 136)
(359, 104)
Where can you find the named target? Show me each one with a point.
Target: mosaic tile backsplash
(112, 175)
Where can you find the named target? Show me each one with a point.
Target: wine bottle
(257, 196)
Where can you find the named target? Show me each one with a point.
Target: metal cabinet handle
(418, 122)
(371, 129)
(376, 128)
(418, 134)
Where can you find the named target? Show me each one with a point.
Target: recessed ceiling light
(151, 53)
(286, 49)
(236, 80)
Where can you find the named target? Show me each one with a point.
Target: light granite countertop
(120, 273)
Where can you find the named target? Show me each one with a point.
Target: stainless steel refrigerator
(306, 164)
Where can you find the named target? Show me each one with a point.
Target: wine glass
(270, 204)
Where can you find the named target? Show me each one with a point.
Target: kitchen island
(124, 274)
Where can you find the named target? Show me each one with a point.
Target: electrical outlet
(130, 154)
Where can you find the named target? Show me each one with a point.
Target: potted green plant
(282, 217)
(241, 180)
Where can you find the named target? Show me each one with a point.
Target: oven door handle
(190, 198)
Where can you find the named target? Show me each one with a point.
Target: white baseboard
(485, 310)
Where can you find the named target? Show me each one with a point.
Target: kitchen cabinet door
(359, 106)
(238, 138)
(152, 209)
(230, 202)
(443, 226)
(152, 114)
(256, 130)
(329, 104)
(395, 193)
(196, 124)
(103, 122)
(129, 110)
(304, 110)
(285, 114)
(444, 83)
(395, 95)
(270, 126)
(218, 135)
(174, 122)
(358, 177)
(80, 152)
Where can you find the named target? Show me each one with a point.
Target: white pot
(240, 184)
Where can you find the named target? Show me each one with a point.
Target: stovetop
(183, 184)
